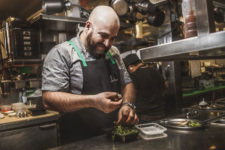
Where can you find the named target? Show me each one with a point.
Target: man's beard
(92, 48)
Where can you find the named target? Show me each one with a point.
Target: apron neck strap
(111, 58)
(82, 58)
(79, 54)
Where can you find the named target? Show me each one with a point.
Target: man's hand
(108, 101)
(127, 116)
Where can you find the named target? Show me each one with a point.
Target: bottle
(190, 25)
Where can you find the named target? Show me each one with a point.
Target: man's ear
(88, 25)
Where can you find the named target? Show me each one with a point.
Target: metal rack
(208, 43)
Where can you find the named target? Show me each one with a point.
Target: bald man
(85, 79)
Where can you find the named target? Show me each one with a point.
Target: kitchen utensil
(180, 123)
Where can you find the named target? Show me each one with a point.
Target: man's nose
(107, 42)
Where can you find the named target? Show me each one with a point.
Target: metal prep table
(209, 138)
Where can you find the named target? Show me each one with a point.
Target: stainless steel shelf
(208, 44)
(63, 18)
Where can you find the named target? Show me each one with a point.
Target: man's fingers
(127, 116)
(123, 115)
(130, 117)
(114, 96)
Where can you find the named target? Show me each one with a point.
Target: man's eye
(113, 39)
(104, 36)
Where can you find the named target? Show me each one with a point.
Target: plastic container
(18, 106)
(150, 128)
(189, 18)
(151, 137)
(5, 108)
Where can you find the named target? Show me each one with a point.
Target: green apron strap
(111, 58)
(79, 54)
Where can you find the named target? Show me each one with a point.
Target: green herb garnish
(122, 131)
(194, 124)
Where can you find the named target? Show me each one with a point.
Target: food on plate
(194, 124)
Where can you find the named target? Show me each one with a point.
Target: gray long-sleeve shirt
(62, 70)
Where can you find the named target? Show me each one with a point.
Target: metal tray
(179, 123)
(212, 107)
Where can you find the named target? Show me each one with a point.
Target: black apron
(98, 76)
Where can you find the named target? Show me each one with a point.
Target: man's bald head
(104, 15)
(100, 31)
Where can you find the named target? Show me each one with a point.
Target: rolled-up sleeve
(56, 72)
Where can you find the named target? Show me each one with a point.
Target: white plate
(1, 116)
(12, 114)
(8, 112)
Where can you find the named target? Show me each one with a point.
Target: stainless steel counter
(205, 139)
(209, 138)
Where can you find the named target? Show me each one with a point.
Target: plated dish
(177, 123)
